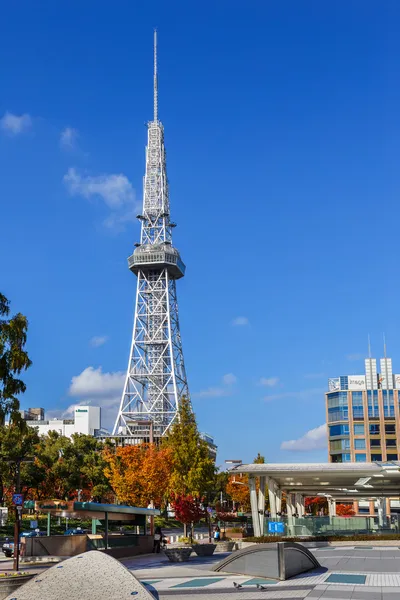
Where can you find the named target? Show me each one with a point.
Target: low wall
(55, 545)
(144, 545)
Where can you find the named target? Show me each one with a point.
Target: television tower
(156, 377)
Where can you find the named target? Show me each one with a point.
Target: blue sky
(282, 132)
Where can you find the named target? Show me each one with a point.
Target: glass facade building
(363, 415)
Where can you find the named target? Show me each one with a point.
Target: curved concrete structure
(277, 561)
(89, 576)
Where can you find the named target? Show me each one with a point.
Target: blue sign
(276, 527)
(18, 499)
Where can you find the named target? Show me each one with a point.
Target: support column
(272, 497)
(261, 503)
(381, 502)
(279, 501)
(332, 507)
(289, 505)
(254, 506)
(298, 505)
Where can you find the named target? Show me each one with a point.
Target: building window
(390, 429)
(359, 444)
(339, 430)
(373, 406)
(391, 442)
(388, 403)
(346, 457)
(392, 457)
(359, 429)
(336, 399)
(338, 414)
(374, 429)
(344, 382)
(336, 445)
(358, 408)
(361, 457)
(375, 443)
(376, 457)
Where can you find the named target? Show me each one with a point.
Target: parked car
(74, 531)
(8, 547)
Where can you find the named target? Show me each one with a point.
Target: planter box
(204, 549)
(8, 585)
(234, 535)
(178, 554)
(225, 546)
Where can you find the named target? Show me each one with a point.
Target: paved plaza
(347, 572)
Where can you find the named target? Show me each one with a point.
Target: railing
(331, 526)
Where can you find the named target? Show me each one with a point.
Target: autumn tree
(13, 358)
(315, 505)
(193, 471)
(139, 474)
(238, 487)
(188, 510)
(344, 510)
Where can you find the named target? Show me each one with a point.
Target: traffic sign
(18, 499)
(276, 527)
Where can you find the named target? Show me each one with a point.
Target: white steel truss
(156, 378)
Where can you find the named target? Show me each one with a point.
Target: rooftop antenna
(369, 346)
(384, 345)
(155, 78)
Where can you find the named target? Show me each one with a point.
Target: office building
(362, 413)
(86, 420)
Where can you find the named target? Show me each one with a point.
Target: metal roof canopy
(93, 510)
(337, 480)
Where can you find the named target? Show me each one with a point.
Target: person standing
(157, 540)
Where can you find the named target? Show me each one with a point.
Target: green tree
(13, 358)
(259, 459)
(69, 465)
(193, 469)
(17, 445)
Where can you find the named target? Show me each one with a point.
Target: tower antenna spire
(369, 346)
(155, 78)
(384, 345)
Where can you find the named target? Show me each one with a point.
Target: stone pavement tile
(362, 595)
(344, 594)
(316, 594)
(390, 593)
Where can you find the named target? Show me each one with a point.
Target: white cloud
(93, 382)
(300, 395)
(14, 124)
(98, 340)
(225, 389)
(240, 321)
(269, 381)
(355, 356)
(314, 439)
(68, 138)
(229, 379)
(115, 190)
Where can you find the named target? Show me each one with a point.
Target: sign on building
(356, 382)
(334, 384)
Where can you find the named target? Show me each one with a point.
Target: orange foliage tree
(238, 489)
(139, 474)
(344, 510)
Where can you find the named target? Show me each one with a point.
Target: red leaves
(188, 509)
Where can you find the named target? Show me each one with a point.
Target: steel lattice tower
(156, 378)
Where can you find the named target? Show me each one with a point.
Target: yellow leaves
(139, 474)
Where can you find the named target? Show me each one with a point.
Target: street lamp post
(18, 515)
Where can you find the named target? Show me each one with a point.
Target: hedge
(360, 537)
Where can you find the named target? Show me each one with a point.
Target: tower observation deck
(156, 377)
